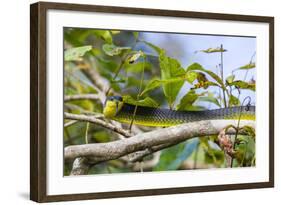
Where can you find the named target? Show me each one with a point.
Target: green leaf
(148, 102)
(187, 100)
(154, 47)
(233, 101)
(245, 150)
(213, 50)
(197, 66)
(115, 32)
(103, 34)
(243, 85)
(213, 156)
(230, 79)
(137, 67)
(190, 76)
(205, 84)
(210, 98)
(112, 50)
(156, 82)
(248, 66)
(134, 57)
(250, 131)
(170, 68)
(171, 158)
(151, 85)
(136, 35)
(74, 54)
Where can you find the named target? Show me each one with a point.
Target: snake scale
(123, 112)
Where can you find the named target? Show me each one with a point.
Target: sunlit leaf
(213, 50)
(243, 85)
(191, 76)
(134, 57)
(103, 34)
(248, 66)
(205, 84)
(112, 50)
(170, 68)
(198, 67)
(230, 79)
(74, 54)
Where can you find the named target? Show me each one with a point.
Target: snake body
(161, 117)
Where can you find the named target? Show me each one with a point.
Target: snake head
(112, 105)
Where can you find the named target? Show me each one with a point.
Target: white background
(14, 102)
(56, 184)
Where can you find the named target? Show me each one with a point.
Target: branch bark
(80, 167)
(82, 97)
(112, 150)
(97, 122)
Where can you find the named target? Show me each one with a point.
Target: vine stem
(117, 72)
(237, 128)
(86, 133)
(222, 78)
(139, 93)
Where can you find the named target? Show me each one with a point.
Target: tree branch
(82, 97)
(80, 166)
(112, 150)
(97, 122)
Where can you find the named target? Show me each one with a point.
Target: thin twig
(222, 78)
(238, 126)
(97, 122)
(71, 122)
(82, 97)
(138, 96)
(86, 133)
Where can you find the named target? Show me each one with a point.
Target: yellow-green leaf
(151, 85)
(210, 98)
(190, 76)
(103, 34)
(149, 102)
(230, 79)
(214, 50)
(233, 101)
(74, 54)
(113, 50)
(187, 100)
(134, 57)
(197, 66)
(243, 85)
(170, 68)
(248, 66)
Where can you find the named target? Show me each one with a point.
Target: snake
(116, 109)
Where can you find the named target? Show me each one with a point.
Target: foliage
(145, 75)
